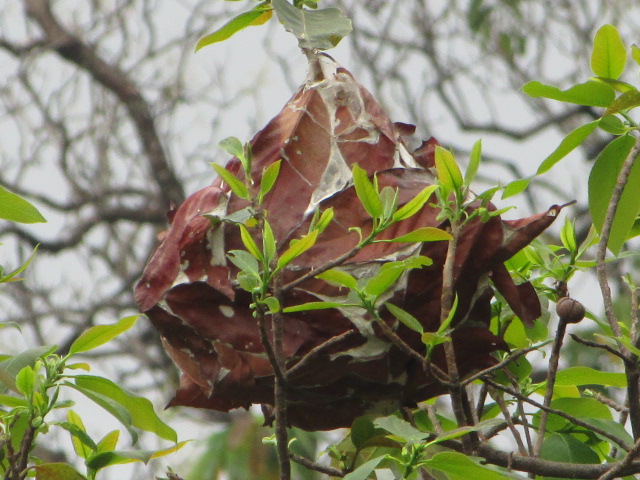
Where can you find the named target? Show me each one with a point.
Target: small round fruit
(570, 310)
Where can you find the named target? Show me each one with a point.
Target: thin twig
(309, 465)
(495, 430)
(545, 468)
(432, 413)
(631, 366)
(316, 351)
(602, 346)
(539, 466)
(632, 370)
(461, 409)
(280, 387)
(635, 327)
(625, 462)
(323, 268)
(520, 412)
(482, 399)
(560, 413)
(506, 361)
(609, 402)
(551, 381)
(601, 267)
(399, 342)
(268, 347)
(512, 428)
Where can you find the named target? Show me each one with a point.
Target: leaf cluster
(618, 98)
(33, 383)
(315, 29)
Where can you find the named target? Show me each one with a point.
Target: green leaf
(298, 248)
(57, 471)
(305, 307)
(249, 243)
(248, 282)
(612, 427)
(414, 205)
(101, 334)
(10, 367)
(609, 55)
(618, 85)
(635, 229)
(602, 181)
(109, 441)
(314, 29)
(612, 124)
(568, 144)
(236, 186)
(488, 194)
(244, 261)
(384, 279)
(458, 466)
(431, 339)
(635, 53)
(405, 317)
(624, 102)
(448, 171)
(422, 234)
(269, 177)
(460, 431)
(578, 376)
(339, 278)
(401, 429)
(26, 381)
(257, 16)
(417, 261)
(324, 220)
(273, 304)
(568, 236)
(516, 187)
(12, 402)
(11, 277)
(243, 216)
(367, 193)
(139, 409)
(105, 459)
(17, 209)
(389, 199)
(118, 411)
(82, 443)
(362, 429)
(247, 160)
(445, 325)
(364, 470)
(580, 407)
(20, 424)
(591, 93)
(232, 146)
(268, 243)
(474, 163)
(561, 447)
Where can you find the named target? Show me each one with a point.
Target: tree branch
(631, 366)
(74, 50)
(554, 360)
(560, 413)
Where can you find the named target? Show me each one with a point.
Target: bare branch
(115, 80)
